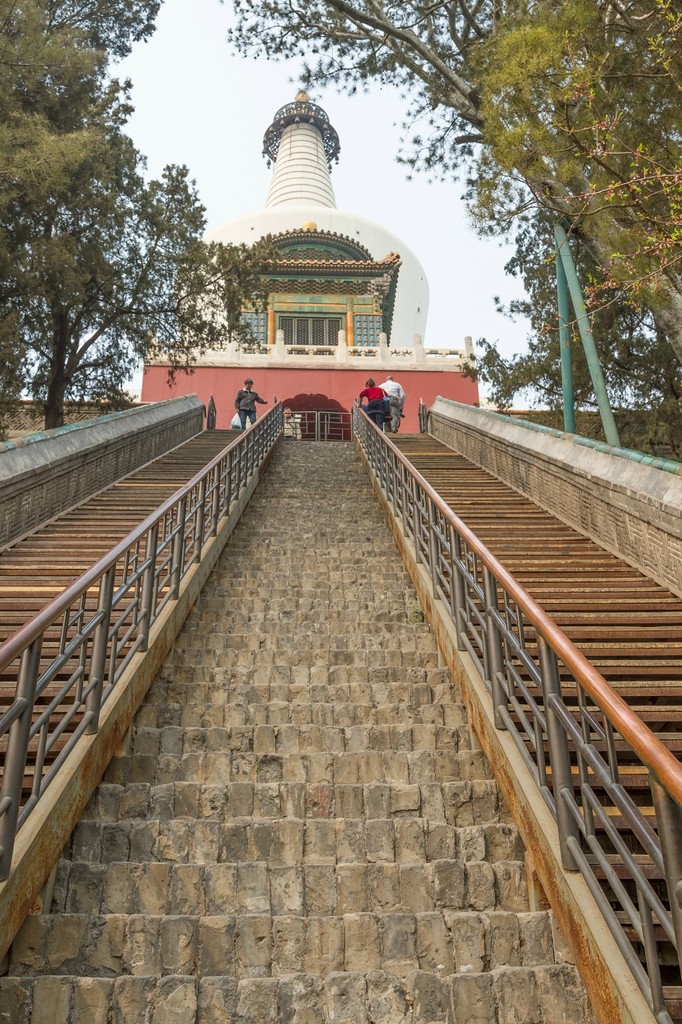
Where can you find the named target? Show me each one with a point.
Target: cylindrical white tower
(301, 141)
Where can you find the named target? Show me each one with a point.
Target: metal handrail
(69, 658)
(568, 723)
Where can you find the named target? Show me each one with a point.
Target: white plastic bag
(236, 423)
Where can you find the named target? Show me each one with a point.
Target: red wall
(305, 388)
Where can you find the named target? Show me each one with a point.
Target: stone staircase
(302, 830)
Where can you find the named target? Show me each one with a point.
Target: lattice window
(367, 328)
(258, 323)
(310, 331)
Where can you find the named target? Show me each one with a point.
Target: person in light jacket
(292, 425)
(396, 397)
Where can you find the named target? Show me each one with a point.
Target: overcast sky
(197, 104)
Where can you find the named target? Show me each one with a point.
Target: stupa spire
(302, 144)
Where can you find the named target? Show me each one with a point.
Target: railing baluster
(148, 586)
(494, 648)
(178, 547)
(201, 521)
(559, 754)
(100, 642)
(432, 549)
(17, 753)
(669, 821)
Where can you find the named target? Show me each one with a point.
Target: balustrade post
(215, 504)
(383, 459)
(559, 753)
(17, 752)
(457, 595)
(201, 520)
(669, 824)
(149, 585)
(416, 525)
(100, 645)
(494, 648)
(402, 490)
(236, 475)
(178, 548)
(433, 550)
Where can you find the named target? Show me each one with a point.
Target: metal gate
(324, 425)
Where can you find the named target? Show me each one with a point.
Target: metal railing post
(178, 548)
(148, 585)
(236, 477)
(100, 645)
(17, 752)
(494, 648)
(559, 753)
(215, 503)
(201, 521)
(416, 527)
(433, 552)
(669, 821)
(457, 598)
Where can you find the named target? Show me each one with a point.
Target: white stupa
(301, 143)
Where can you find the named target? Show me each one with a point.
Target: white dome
(301, 142)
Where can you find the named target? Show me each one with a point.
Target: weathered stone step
(261, 944)
(334, 769)
(459, 804)
(299, 684)
(206, 715)
(266, 611)
(544, 993)
(258, 886)
(306, 621)
(394, 658)
(286, 579)
(406, 840)
(255, 641)
(286, 738)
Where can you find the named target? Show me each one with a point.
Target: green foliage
(571, 107)
(587, 96)
(99, 267)
(640, 368)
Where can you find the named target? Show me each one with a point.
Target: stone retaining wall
(42, 475)
(631, 509)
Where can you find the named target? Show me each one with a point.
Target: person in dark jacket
(245, 403)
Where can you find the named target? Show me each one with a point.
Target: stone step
(332, 643)
(405, 840)
(339, 684)
(334, 621)
(264, 945)
(461, 804)
(286, 738)
(396, 658)
(501, 995)
(259, 886)
(330, 768)
(242, 711)
(267, 611)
